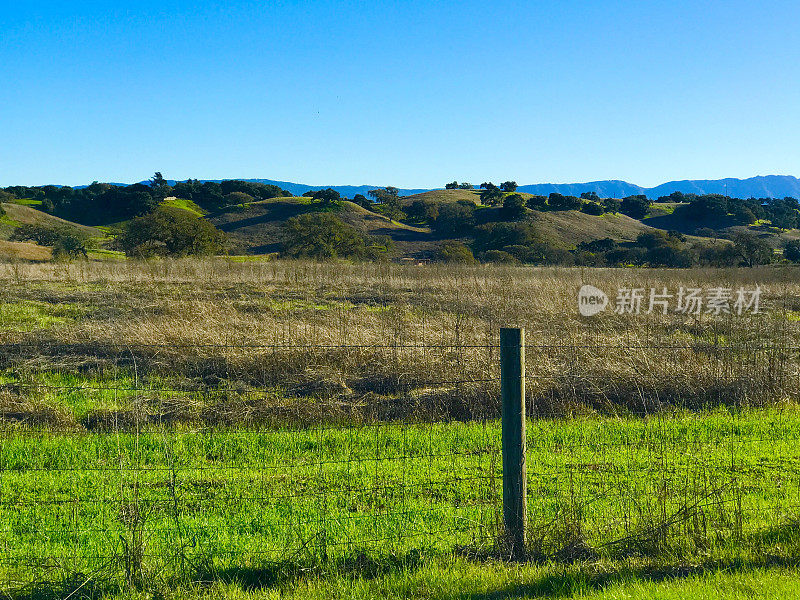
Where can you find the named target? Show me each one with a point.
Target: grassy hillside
(575, 227)
(663, 216)
(18, 214)
(23, 251)
(568, 226)
(256, 227)
(184, 204)
(447, 196)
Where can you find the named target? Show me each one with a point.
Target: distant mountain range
(769, 186)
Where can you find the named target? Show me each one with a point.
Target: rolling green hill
(447, 196)
(18, 214)
(256, 228)
(183, 204)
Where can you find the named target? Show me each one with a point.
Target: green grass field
(225, 505)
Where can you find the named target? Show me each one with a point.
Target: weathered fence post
(512, 390)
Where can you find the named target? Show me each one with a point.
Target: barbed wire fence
(137, 463)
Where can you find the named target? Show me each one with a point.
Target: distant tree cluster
(451, 218)
(326, 197)
(216, 196)
(101, 203)
(783, 213)
(506, 233)
(660, 249)
(95, 204)
(520, 243)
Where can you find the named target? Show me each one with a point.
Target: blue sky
(412, 94)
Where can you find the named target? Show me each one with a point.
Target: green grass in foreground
(461, 579)
(381, 509)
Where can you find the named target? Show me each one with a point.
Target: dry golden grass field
(271, 322)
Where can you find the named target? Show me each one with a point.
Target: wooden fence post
(512, 390)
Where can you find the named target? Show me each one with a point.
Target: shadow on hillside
(274, 212)
(265, 249)
(675, 222)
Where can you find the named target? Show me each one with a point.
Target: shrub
(718, 256)
(669, 256)
(422, 211)
(601, 245)
(495, 236)
(491, 196)
(509, 186)
(537, 202)
(66, 241)
(454, 219)
(592, 208)
(752, 250)
(513, 207)
(170, 232)
(626, 256)
(560, 202)
(652, 239)
(703, 208)
(455, 252)
(791, 250)
(327, 197)
(322, 235)
(706, 232)
(238, 198)
(363, 201)
(635, 206)
(743, 215)
(547, 254)
(520, 252)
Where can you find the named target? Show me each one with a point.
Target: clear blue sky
(412, 94)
